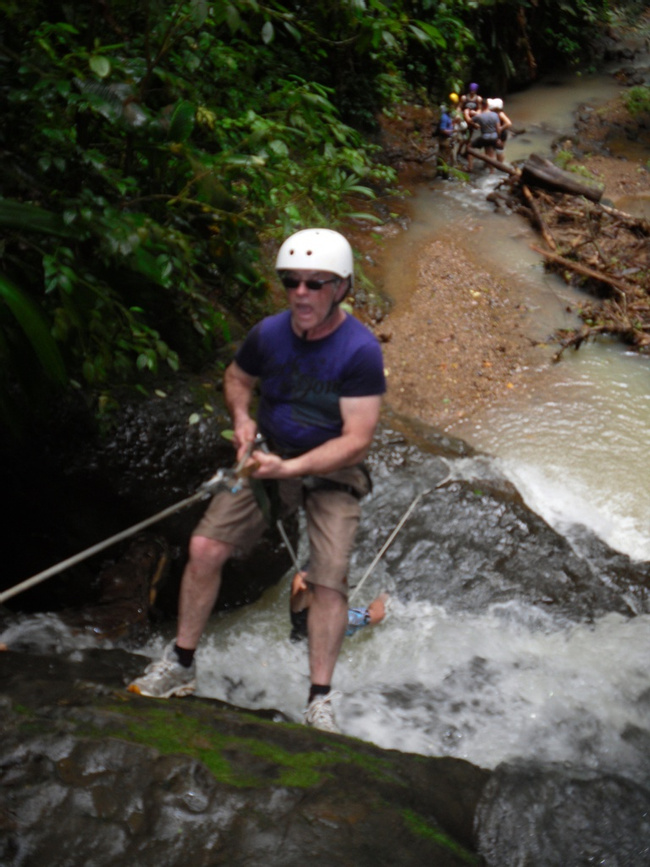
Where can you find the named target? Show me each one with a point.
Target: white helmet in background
(317, 250)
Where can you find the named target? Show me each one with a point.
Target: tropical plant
(637, 101)
(146, 157)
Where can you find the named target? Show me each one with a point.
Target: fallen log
(503, 167)
(617, 285)
(538, 172)
(629, 219)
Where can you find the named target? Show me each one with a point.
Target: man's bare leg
(175, 672)
(199, 588)
(326, 625)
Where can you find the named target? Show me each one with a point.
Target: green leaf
(233, 18)
(199, 11)
(268, 33)
(360, 215)
(279, 147)
(100, 65)
(182, 122)
(293, 31)
(30, 218)
(426, 32)
(33, 324)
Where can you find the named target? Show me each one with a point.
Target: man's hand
(238, 389)
(269, 466)
(244, 437)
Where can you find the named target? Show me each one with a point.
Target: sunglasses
(293, 282)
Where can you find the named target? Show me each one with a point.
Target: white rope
(288, 545)
(95, 549)
(399, 526)
(388, 542)
(218, 480)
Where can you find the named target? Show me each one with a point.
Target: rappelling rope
(289, 546)
(222, 478)
(95, 549)
(396, 530)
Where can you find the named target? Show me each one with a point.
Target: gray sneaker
(166, 677)
(320, 714)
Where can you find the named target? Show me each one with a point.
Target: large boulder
(93, 775)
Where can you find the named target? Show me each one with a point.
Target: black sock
(317, 689)
(185, 657)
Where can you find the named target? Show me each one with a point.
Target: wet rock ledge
(93, 775)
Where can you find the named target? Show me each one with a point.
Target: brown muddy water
(576, 443)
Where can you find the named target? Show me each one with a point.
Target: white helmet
(316, 250)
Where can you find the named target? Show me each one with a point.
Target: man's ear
(342, 290)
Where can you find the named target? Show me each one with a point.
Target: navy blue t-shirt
(301, 381)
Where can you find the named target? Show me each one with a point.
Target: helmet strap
(335, 303)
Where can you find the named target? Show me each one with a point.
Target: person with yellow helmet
(460, 124)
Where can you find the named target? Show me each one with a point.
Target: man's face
(310, 307)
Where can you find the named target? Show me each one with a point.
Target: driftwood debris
(598, 276)
(541, 173)
(600, 249)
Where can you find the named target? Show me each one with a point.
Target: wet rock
(92, 775)
(472, 543)
(522, 818)
(128, 590)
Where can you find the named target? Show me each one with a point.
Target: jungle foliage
(150, 150)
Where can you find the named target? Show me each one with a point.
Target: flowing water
(575, 445)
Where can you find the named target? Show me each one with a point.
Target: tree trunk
(538, 172)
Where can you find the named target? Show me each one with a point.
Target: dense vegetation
(150, 150)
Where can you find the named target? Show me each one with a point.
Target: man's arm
(360, 417)
(504, 122)
(238, 388)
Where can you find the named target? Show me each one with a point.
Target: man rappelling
(321, 379)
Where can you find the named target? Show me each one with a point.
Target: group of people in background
(462, 118)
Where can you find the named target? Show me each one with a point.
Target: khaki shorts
(332, 520)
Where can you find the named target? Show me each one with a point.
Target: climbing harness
(230, 479)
